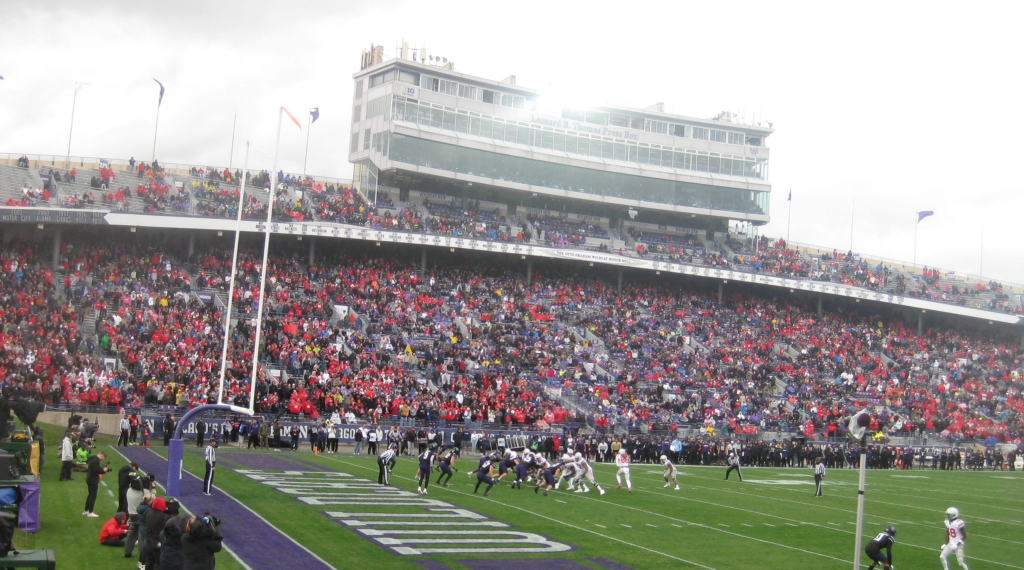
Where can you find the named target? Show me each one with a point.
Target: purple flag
(924, 214)
(790, 199)
(315, 111)
(161, 92)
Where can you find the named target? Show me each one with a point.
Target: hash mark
(557, 501)
(791, 524)
(651, 525)
(600, 525)
(627, 526)
(675, 525)
(768, 524)
(745, 524)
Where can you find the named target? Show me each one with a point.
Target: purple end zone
(431, 565)
(505, 563)
(254, 540)
(608, 564)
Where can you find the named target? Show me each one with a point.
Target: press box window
(366, 139)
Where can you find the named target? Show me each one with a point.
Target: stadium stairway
(13, 179)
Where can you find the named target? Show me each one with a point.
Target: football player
(584, 470)
(567, 469)
(510, 458)
(546, 477)
(956, 535)
(446, 462)
(885, 540)
(427, 459)
(622, 462)
(484, 473)
(519, 464)
(670, 472)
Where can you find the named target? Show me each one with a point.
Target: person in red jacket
(114, 531)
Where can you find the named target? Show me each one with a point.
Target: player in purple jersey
(446, 462)
(484, 474)
(427, 459)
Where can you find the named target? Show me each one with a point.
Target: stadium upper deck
(437, 129)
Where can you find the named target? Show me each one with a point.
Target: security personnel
(211, 465)
(819, 474)
(386, 462)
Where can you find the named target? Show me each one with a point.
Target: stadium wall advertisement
(333, 230)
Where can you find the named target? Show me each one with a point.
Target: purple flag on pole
(315, 111)
(161, 92)
(790, 198)
(924, 214)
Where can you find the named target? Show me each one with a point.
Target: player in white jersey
(670, 472)
(956, 535)
(566, 470)
(584, 470)
(622, 462)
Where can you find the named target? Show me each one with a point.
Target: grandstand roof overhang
(333, 230)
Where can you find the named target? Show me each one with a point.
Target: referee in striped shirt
(385, 462)
(819, 475)
(211, 465)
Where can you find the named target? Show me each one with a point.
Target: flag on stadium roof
(790, 198)
(161, 91)
(924, 214)
(315, 112)
(292, 117)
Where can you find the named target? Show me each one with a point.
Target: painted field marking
(834, 524)
(651, 525)
(557, 501)
(600, 525)
(768, 524)
(675, 525)
(745, 524)
(109, 492)
(791, 524)
(626, 525)
(723, 524)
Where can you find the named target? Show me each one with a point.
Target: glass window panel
(462, 123)
(424, 115)
(525, 133)
(633, 154)
(748, 168)
(510, 132)
(636, 123)
(655, 156)
(498, 130)
(726, 164)
(608, 150)
(570, 143)
(448, 123)
(583, 146)
(436, 118)
(702, 162)
(366, 139)
(474, 126)
(357, 113)
(714, 164)
(618, 121)
(678, 160)
(619, 151)
(644, 156)
(485, 128)
(573, 114)
(559, 142)
(547, 139)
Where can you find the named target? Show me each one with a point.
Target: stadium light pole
(231, 287)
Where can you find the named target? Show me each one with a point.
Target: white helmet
(952, 513)
(663, 458)
(578, 456)
(622, 452)
(732, 455)
(567, 457)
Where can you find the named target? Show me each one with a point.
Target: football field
(331, 512)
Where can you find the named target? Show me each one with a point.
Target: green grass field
(771, 520)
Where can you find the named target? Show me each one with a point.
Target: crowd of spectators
(562, 232)
(656, 355)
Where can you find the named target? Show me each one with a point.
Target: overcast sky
(898, 106)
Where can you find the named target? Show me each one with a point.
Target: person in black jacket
(171, 555)
(168, 429)
(200, 432)
(162, 511)
(92, 481)
(201, 542)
